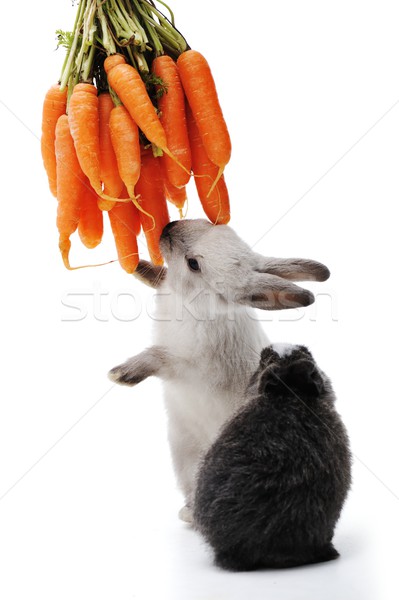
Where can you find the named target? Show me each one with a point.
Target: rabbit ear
(293, 269)
(269, 292)
(300, 377)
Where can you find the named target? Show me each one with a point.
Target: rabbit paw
(186, 515)
(152, 361)
(127, 374)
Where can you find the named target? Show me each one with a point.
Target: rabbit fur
(271, 487)
(207, 339)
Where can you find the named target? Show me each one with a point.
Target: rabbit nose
(167, 229)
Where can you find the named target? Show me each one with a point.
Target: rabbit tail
(234, 559)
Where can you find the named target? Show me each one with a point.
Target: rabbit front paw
(147, 363)
(126, 374)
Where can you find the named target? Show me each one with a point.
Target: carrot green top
(135, 28)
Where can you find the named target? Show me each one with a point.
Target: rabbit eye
(193, 264)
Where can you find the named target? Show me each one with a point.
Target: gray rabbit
(271, 487)
(207, 339)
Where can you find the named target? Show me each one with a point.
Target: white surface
(88, 501)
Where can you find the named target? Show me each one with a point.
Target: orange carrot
(175, 195)
(90, 225)
(151, 198)
(125, 225)
(130, 88)
(173, 118)
(125, 141)
(200, 90)
(84, 124)
(70, 183)
(214, 198)
(53, 107)
(109, 174)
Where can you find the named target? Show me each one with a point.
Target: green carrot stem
(87, 66)
(128, 23)
(172, 16)
(164, 30)
(69, 61)
(83, 60)
(120, 31)
(154, 39)
(114, 96)
(131, 57)
(129, 9)
(106, 40)
(163, 33)
(119, 16)
(141, 62)
(156, 151)
(167, 26)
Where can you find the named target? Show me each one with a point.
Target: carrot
(125, 225)
(84, 124)
(200, 90)
(173, 118)
(151, 198)
(70, 183)
(54, 106)
(175, 195)
(109, 174)
(128, 85)
(90, 225)
(125, 141)
(214, 198)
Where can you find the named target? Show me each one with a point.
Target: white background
(88, 502)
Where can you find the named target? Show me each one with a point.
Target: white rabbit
(207, 339)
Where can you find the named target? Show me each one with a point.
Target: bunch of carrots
(134, 116)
